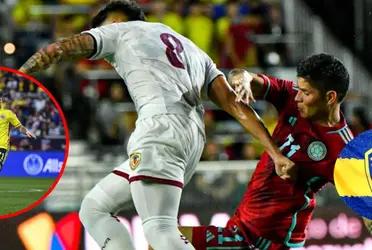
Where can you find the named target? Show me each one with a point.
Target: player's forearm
(247, 117)
(252, 123)
(22, 129)
(72, 48)
(26, 132)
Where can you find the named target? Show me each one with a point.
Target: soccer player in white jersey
(167, 76)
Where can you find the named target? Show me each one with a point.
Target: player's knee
(95, 205)
(162, 233)
(159, 224)
(88, 211)
(91, 210)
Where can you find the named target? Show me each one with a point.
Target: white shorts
(163, 149)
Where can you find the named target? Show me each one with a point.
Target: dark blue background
(14, 164)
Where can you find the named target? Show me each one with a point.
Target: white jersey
(165, 72)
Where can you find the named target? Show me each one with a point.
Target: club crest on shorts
(317, 151)
(134, 160)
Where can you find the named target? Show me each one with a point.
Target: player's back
(164, 71)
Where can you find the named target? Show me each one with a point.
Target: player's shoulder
(279, 80)
(119, 28)
(6, 112)
(277, 85)
(342, 135)
(10, 112)
(144, 25)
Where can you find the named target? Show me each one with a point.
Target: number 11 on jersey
(294, 147)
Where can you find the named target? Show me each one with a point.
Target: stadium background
(36, 111)
(268, 36)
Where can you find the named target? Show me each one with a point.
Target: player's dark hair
(325, 73)
(3, 99)
(129, 8)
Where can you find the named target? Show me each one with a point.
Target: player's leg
(185, 231)
(163, 154)
(203, 237)
(3, 155)
(212, 237)
(157, 205)
(99, 207)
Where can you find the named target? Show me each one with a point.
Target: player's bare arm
(25, 131)
(72, 48)
(247, 86)
(224, 97)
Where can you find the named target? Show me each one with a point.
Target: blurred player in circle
(8, 119)
(167, 76)
(311, 131)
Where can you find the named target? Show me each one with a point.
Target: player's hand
(285, 168)
(240, 81)
(30, 135)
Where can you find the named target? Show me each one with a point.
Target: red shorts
(204, 237)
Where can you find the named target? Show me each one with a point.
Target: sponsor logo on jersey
(292, 120)
(317, 151)
(135, 159)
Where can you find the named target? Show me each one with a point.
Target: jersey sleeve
(211, 73)
(12, 118)
(278, 91)
(105, 38)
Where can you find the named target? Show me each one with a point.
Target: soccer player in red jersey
(311, 131)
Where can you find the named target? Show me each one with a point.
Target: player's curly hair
(325, 72)
(130, 8)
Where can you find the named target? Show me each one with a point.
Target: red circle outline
(67, 148)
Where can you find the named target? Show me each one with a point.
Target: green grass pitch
(19, 193)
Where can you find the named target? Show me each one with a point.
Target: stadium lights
(9, 48)
(273, 58)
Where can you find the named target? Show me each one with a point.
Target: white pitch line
(21, 191)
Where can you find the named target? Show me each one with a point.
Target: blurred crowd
(226, 30)
(34, 109)
(240, 33)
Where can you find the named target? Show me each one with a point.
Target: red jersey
(280, 210)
